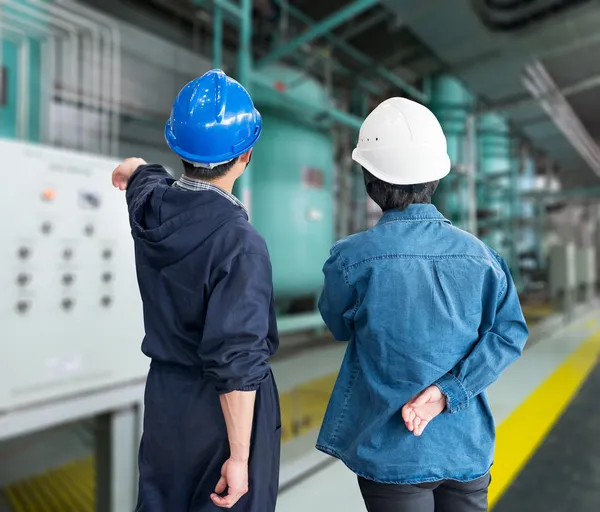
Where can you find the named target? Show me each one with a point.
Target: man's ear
(245, 158)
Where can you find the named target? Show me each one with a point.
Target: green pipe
(361, 27)
(336, 115)
(564, 194)
(301, 322)
(319, 29)
(226, 5)
(244, 76)
(358, 56)
(218, 37)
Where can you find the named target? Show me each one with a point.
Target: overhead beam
(319, 29)
(357, 55)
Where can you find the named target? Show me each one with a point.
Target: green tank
(495, 164)
(451, 102)
(292, 182)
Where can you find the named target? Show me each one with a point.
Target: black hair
(398, 197)
(202, 173)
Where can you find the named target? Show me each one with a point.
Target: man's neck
(223, 183)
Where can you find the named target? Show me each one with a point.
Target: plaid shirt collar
(185, 183)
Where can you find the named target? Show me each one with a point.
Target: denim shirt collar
(414, 213)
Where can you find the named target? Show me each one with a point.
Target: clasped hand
(421, 409)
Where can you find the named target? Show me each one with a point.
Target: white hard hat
(401, 142)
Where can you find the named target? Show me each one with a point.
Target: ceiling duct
(515, 15)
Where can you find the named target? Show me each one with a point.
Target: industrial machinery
(70, 310)
(292, 184)
(563, 274)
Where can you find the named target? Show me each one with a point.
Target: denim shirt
(420, 302)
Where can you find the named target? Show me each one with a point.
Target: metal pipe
(65, 19)
(472, 173)
(102, 24)
(217, 36)
(244, 72)
(234, 10)
(23, 52)
(321, 28)
(361, 57)
(542, 87)
(114, 65)
(339, 116)
(366, 24)
(47, 60)
(43, 23)
(300, 322)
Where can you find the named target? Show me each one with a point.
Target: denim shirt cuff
(457, 397)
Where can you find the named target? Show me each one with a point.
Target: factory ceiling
(534, 60)
(490, 44)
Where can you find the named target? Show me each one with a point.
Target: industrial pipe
(65, 19)
(319, 29)
(23, 53)
(336, 115)
(301, 322)
(360, 57)
(97, 21)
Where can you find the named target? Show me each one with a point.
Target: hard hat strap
(207, 166)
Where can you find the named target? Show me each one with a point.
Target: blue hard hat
(213, 120)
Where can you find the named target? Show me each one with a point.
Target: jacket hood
(169, 223)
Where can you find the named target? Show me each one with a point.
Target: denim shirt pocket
(457, 286)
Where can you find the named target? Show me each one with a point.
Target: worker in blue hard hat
(432, 318)
(211, 421)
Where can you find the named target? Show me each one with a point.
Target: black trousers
(444, 496)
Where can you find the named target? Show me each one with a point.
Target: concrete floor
(564, 473)
(335, 488)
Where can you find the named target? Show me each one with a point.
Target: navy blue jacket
(205, 279)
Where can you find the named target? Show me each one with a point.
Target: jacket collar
(414, 213)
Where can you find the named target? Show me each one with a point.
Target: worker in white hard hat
(431, 317)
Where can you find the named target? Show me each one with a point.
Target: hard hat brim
(204, 159)
(433, 168)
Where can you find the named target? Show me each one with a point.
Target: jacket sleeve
(338, 300)
(141, 183)
(502, 342)
(234, 347)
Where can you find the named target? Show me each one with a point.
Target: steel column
(117, 438)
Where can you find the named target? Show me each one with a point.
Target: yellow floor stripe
(72, 487)
(523, 431)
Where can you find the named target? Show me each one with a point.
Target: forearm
(238, 410)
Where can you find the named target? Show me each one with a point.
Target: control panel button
(68, 279)
(24, 253)
(46, 228)
(107, 254)
(67, 304)
(107, 277)
(48, 194)
(106, 301)
(89, 230)
(67, 253)
(23, 307)
(23, 279)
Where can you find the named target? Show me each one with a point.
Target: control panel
(70, 311)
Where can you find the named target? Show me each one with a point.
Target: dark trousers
(444, 496)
